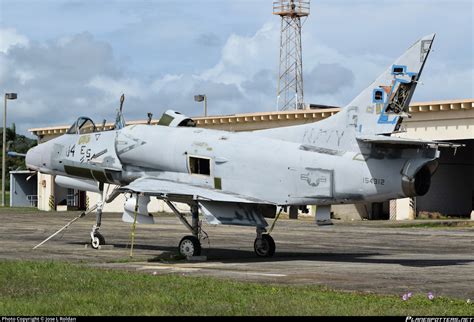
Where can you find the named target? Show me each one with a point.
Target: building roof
(306, 114)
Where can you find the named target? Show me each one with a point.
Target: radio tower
(290, 93)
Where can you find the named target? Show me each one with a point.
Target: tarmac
(369, 257)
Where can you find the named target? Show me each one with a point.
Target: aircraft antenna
(290, 94)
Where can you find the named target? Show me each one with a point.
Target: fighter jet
(242, 178)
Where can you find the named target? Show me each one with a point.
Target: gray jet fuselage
(246, 163)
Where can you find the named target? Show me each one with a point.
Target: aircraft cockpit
(174, 119)
(82, 125)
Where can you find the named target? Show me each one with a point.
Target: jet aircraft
(242, 178)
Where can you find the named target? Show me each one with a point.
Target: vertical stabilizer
(380, 108)
(377, 110)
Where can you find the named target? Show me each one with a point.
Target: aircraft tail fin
(381, 107)
(377, 110)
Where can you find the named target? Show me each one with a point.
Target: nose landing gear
(97, 240)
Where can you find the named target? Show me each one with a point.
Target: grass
(435, 215)
(55, 288)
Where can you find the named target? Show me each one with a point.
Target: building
(23, 189)
(452, 189)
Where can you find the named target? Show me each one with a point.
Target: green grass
(53, 288)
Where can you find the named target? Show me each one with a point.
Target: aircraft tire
(97, 241)
(189, 246)
(265, 247)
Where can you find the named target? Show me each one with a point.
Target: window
(200, 166)
(83, 125)
(87, 126)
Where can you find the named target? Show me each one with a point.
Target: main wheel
(265, 246)
(97, 241)
(189, 246)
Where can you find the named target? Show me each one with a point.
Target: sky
(67, 59)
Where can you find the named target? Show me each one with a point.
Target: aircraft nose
(33, 158)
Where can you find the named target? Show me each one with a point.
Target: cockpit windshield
(83, 125)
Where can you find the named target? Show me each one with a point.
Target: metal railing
(291, 8)
(33, 200)
(71, 200)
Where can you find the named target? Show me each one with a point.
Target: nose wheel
(264, 246)
(189, 246)
(97, 240)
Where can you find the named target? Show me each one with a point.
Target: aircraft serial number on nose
(71, 150)
(85, 153)
(373, 181)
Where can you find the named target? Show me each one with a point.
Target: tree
(17, 143)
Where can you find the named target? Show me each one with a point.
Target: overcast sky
(71, 58)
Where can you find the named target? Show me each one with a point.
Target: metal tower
(290, 93)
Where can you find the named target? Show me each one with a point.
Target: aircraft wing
(218, 207)
(167, 189)
(382, 139)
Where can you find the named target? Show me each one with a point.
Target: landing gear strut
(189, 245)
(97, 239)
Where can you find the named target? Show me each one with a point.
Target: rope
(133, 227)
(64, 227)
(274, 222)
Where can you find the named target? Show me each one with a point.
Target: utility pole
(8, 96)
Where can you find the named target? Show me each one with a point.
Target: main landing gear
(189, 245)
(264, 245)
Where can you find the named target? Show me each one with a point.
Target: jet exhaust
(420, 183)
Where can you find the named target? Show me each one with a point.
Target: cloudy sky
(71, 58)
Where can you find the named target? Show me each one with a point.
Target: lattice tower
(290, 93)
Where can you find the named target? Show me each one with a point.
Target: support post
(4, 149)
(195, 219)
